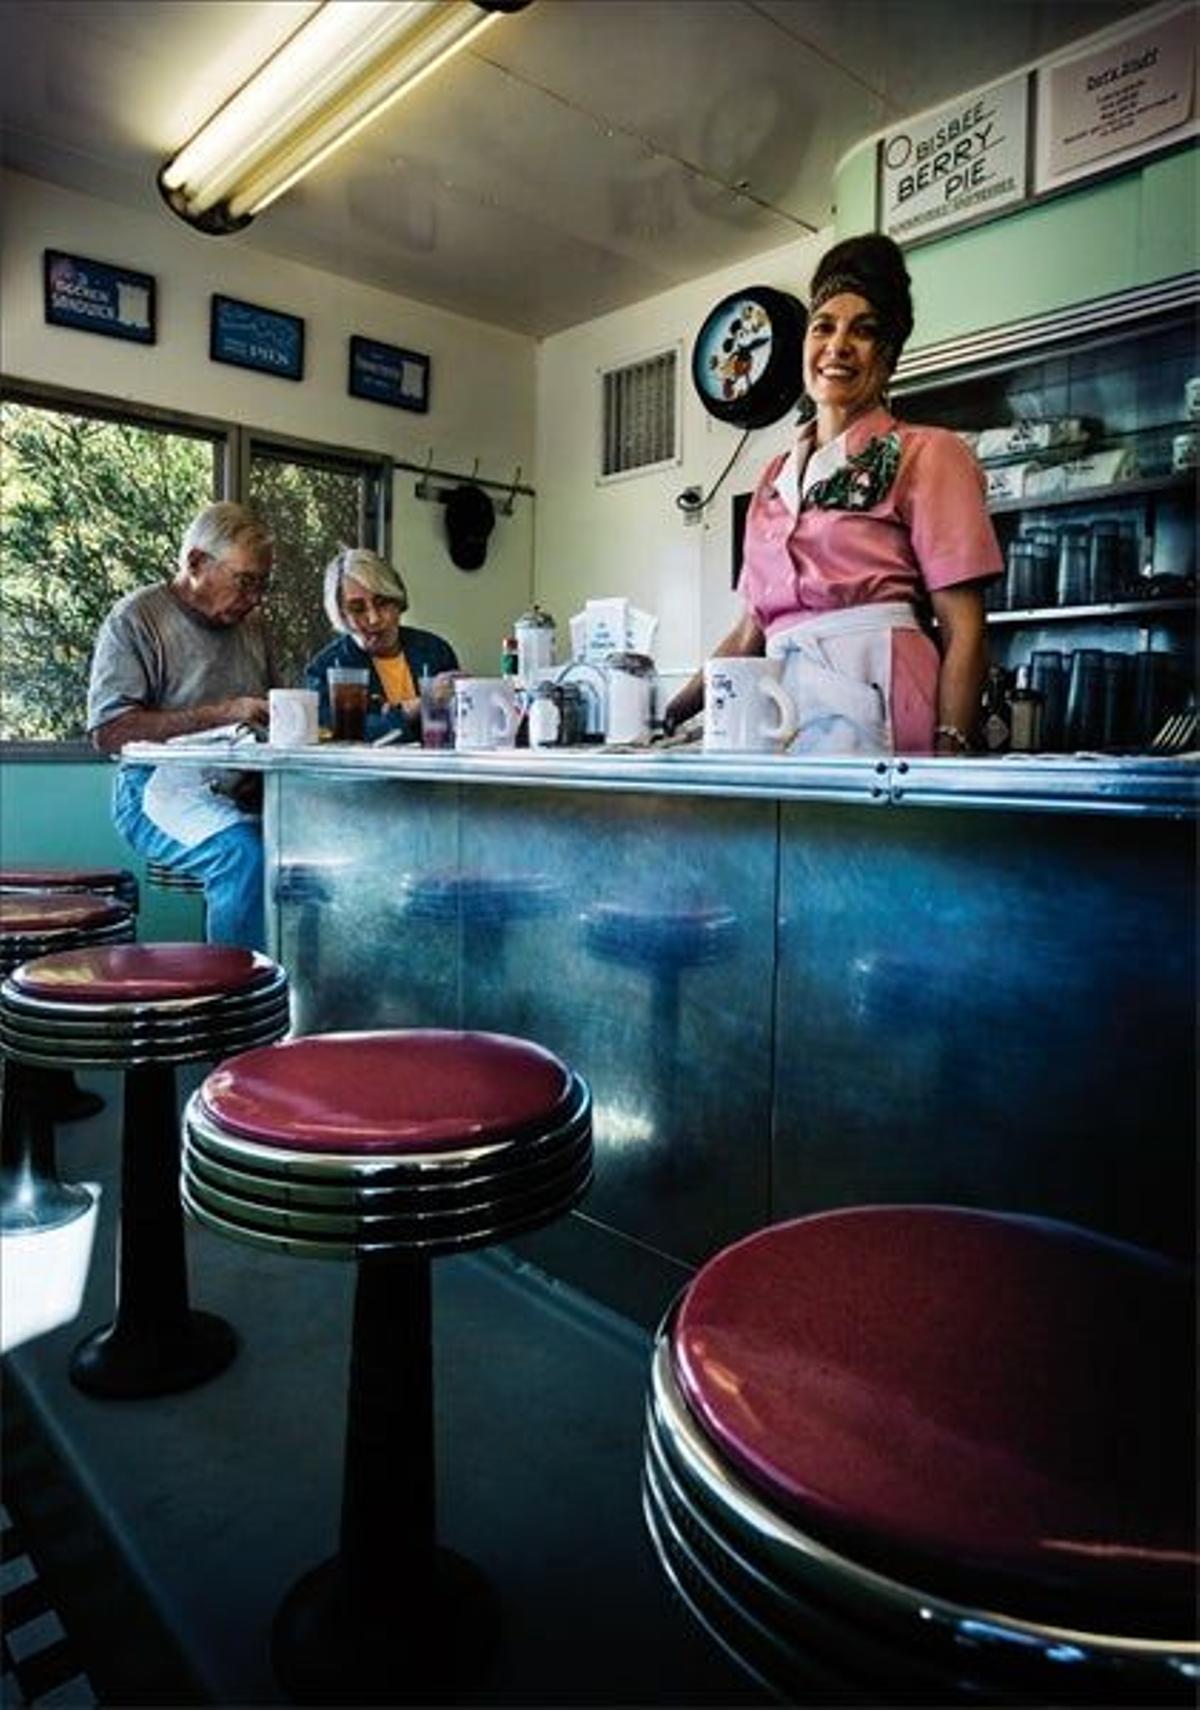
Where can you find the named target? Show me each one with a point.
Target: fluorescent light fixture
(343, 67)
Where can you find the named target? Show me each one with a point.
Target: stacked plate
(281, 1153)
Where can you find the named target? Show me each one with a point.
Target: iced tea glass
(348, 687)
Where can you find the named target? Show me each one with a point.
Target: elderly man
(179, 658)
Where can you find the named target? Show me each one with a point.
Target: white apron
(837, 667)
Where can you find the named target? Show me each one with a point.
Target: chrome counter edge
(1141, 785)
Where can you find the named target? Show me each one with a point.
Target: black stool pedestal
(392, 1617)
(156, 1344)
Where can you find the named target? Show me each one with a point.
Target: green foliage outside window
(312, 510)
(89, 510)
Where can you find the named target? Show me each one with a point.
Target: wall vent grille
(640, 409)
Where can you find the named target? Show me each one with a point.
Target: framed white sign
(1110, 105)
(966, 160)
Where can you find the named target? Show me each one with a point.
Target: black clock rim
(778, 390)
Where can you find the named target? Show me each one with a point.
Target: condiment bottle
(545, 716)
(508, 656)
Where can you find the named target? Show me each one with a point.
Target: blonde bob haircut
(361, 565)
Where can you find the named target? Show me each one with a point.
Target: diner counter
(787, 991)
(1082, 783)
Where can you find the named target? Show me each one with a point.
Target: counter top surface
(1162, 787)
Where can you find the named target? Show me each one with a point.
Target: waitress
(364, 599)
(859, 532)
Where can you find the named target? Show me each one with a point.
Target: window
(639, 414)
(90, 508)
(314, 503)
(94, 503)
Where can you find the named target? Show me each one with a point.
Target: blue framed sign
(388, 374)
(249, 336)
(95, 296)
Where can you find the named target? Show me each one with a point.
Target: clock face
(733, 349)
(747, 359)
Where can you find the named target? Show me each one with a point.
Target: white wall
(628, 537)
(495, 396)
(481, 394)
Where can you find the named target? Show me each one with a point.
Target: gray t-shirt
(153, 653)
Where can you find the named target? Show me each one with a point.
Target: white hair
(368, 569)
(218, 527)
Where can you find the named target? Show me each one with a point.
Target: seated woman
(364, 598)
(861, 531)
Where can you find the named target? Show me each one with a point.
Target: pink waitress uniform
(889, 514)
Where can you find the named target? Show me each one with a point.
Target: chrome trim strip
(399, 1197)
(1137, 785)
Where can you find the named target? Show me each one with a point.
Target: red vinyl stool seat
(389, 1149)
(116, 882)
(903, 1451)
(35, 923)
(142, 1009)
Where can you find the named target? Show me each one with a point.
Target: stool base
(29, 1204)
(120, 1365)
(328, 1649)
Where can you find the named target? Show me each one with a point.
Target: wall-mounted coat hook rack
(427, 485)
(504, 506)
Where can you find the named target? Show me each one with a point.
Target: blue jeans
(230, 863)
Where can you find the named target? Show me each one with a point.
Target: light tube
(343, 67)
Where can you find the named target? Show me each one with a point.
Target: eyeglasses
(245, 581)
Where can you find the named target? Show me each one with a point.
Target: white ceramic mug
(293, 717)
(1191, 398)
(485, 713)
(746, 708)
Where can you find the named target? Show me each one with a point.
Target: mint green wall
(58, 813)
(1129, 230)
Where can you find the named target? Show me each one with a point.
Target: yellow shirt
(396, 676)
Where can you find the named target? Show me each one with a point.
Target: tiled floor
(41, 1663)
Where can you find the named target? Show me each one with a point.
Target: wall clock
(747, 361)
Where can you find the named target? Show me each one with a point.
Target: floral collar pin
(862, 480)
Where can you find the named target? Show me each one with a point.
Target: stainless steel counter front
(788, 992)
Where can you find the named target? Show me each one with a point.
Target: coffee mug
(293, 717)
(746, 708)
(485, 713)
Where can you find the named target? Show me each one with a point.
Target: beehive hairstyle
(871, 266)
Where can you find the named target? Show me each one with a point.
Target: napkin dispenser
(607, 626)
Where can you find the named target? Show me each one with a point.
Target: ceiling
(584, 155)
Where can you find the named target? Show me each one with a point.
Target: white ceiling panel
(585, 154)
